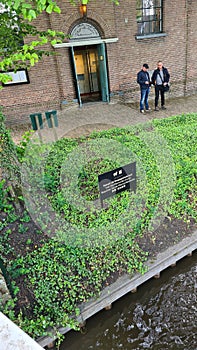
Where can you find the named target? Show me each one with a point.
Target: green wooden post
(75, 78)
(103, 73)
(52, 122)
(37, 123)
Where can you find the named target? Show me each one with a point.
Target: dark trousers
(159, 89)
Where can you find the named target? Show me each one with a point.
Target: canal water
(162, 315)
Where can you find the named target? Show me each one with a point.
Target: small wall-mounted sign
(117, 180)
(84, 31)
(18, 77)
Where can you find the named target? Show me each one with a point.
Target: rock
(4, 291)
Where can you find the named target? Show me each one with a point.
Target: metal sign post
(52, 122)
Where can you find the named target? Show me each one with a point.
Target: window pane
(138, 4)
(157, 3)
(149, 16)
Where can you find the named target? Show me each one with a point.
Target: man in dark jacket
(143, 79)
(160, 78)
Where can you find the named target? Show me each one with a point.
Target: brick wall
(191, 72)
(51, 80)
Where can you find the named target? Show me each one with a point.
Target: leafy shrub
(62, 275)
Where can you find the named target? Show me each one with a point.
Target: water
(162, 315)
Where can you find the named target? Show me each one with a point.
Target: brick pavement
(74, 121)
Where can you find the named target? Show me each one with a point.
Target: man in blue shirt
(143, 79)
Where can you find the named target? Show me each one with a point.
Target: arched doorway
(88, 76)
(89, 63)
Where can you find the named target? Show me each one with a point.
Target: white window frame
(18, 77)
(149, 17)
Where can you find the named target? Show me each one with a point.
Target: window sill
(150, 36)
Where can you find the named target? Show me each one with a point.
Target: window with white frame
(149, 17)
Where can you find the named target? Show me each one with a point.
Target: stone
(4, 291)
(13, 338)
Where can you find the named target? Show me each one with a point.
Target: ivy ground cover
(62, 249)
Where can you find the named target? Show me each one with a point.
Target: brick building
(106, 48)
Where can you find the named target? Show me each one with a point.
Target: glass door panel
(87, 68)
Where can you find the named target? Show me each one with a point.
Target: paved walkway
(13, 338)
(74, 121)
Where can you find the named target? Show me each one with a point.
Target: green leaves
(62, 276)
(32, 9)
(29, 54)
(30, 15)
(15, 26)
(8, 156)
(181, 134)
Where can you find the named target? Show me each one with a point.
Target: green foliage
(23, 144)
(16, 26)
(181, 135)
(8, 156)
(4, 203)
(61, 275)
(88, 177)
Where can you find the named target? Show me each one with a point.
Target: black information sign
(117, 180)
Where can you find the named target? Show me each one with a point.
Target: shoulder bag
(166, 87)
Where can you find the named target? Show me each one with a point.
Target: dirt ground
(170, 232)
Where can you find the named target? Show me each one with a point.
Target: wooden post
(38, 128)
(173, 265)
(52, 121)
(51, 345)
(54, 129)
